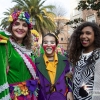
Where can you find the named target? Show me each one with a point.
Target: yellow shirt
(51, 67)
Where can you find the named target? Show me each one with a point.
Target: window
(61, 39)
(91, 18)
(68, 39)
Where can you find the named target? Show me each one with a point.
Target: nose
(83, 35)
(49, 43)
(20, 26)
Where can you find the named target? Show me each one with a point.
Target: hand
(69, 75)
(83, 92)
(70, 96)
(7, 69)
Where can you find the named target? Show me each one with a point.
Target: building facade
(63, 35)
(86, 15)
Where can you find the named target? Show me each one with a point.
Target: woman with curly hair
(18, 79)
(84, 54)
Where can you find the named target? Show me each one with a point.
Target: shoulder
(39, 58)
(4, 36)
(62, 56)
(96, 54)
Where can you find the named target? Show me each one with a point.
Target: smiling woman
(19, 30)
(84, 54)
(18, 79)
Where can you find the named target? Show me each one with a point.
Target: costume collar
(51, 66)
(21, 48)
(46, 58)
(62, 63)
(28, 61)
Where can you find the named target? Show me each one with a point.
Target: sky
(6, 4)
(62, 3)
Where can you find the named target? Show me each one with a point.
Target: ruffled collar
(21, 48)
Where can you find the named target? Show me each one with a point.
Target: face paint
(49, 47)
(52, 46)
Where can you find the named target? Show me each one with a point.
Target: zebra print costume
(86, 81)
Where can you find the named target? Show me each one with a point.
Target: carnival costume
(17, 69)
(86, 81)
(58, 90)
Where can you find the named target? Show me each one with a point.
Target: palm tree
(42, 14)
(4, 21)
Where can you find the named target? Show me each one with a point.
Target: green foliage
(42, 14)
(75, 22)
(90, 4)
(4, 21)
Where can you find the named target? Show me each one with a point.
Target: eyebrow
(48, 41)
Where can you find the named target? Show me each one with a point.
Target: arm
(4, 87)
(69, 94)
(68, 79)
(4, 91)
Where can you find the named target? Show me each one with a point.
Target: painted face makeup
(49, 45)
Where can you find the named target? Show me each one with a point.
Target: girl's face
(20, 29)
(49, 45)
(87, 38)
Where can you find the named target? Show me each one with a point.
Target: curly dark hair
(27, 41)
(75, 47)
(53, 35)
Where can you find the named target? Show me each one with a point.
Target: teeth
(48, 49)
(84, 41)
(20, 32)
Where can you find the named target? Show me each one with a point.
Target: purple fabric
(69, 81)
(28, 97)
(57, 96)
(59, 84)
(32, 85)
(69, 89)
(11, 88)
